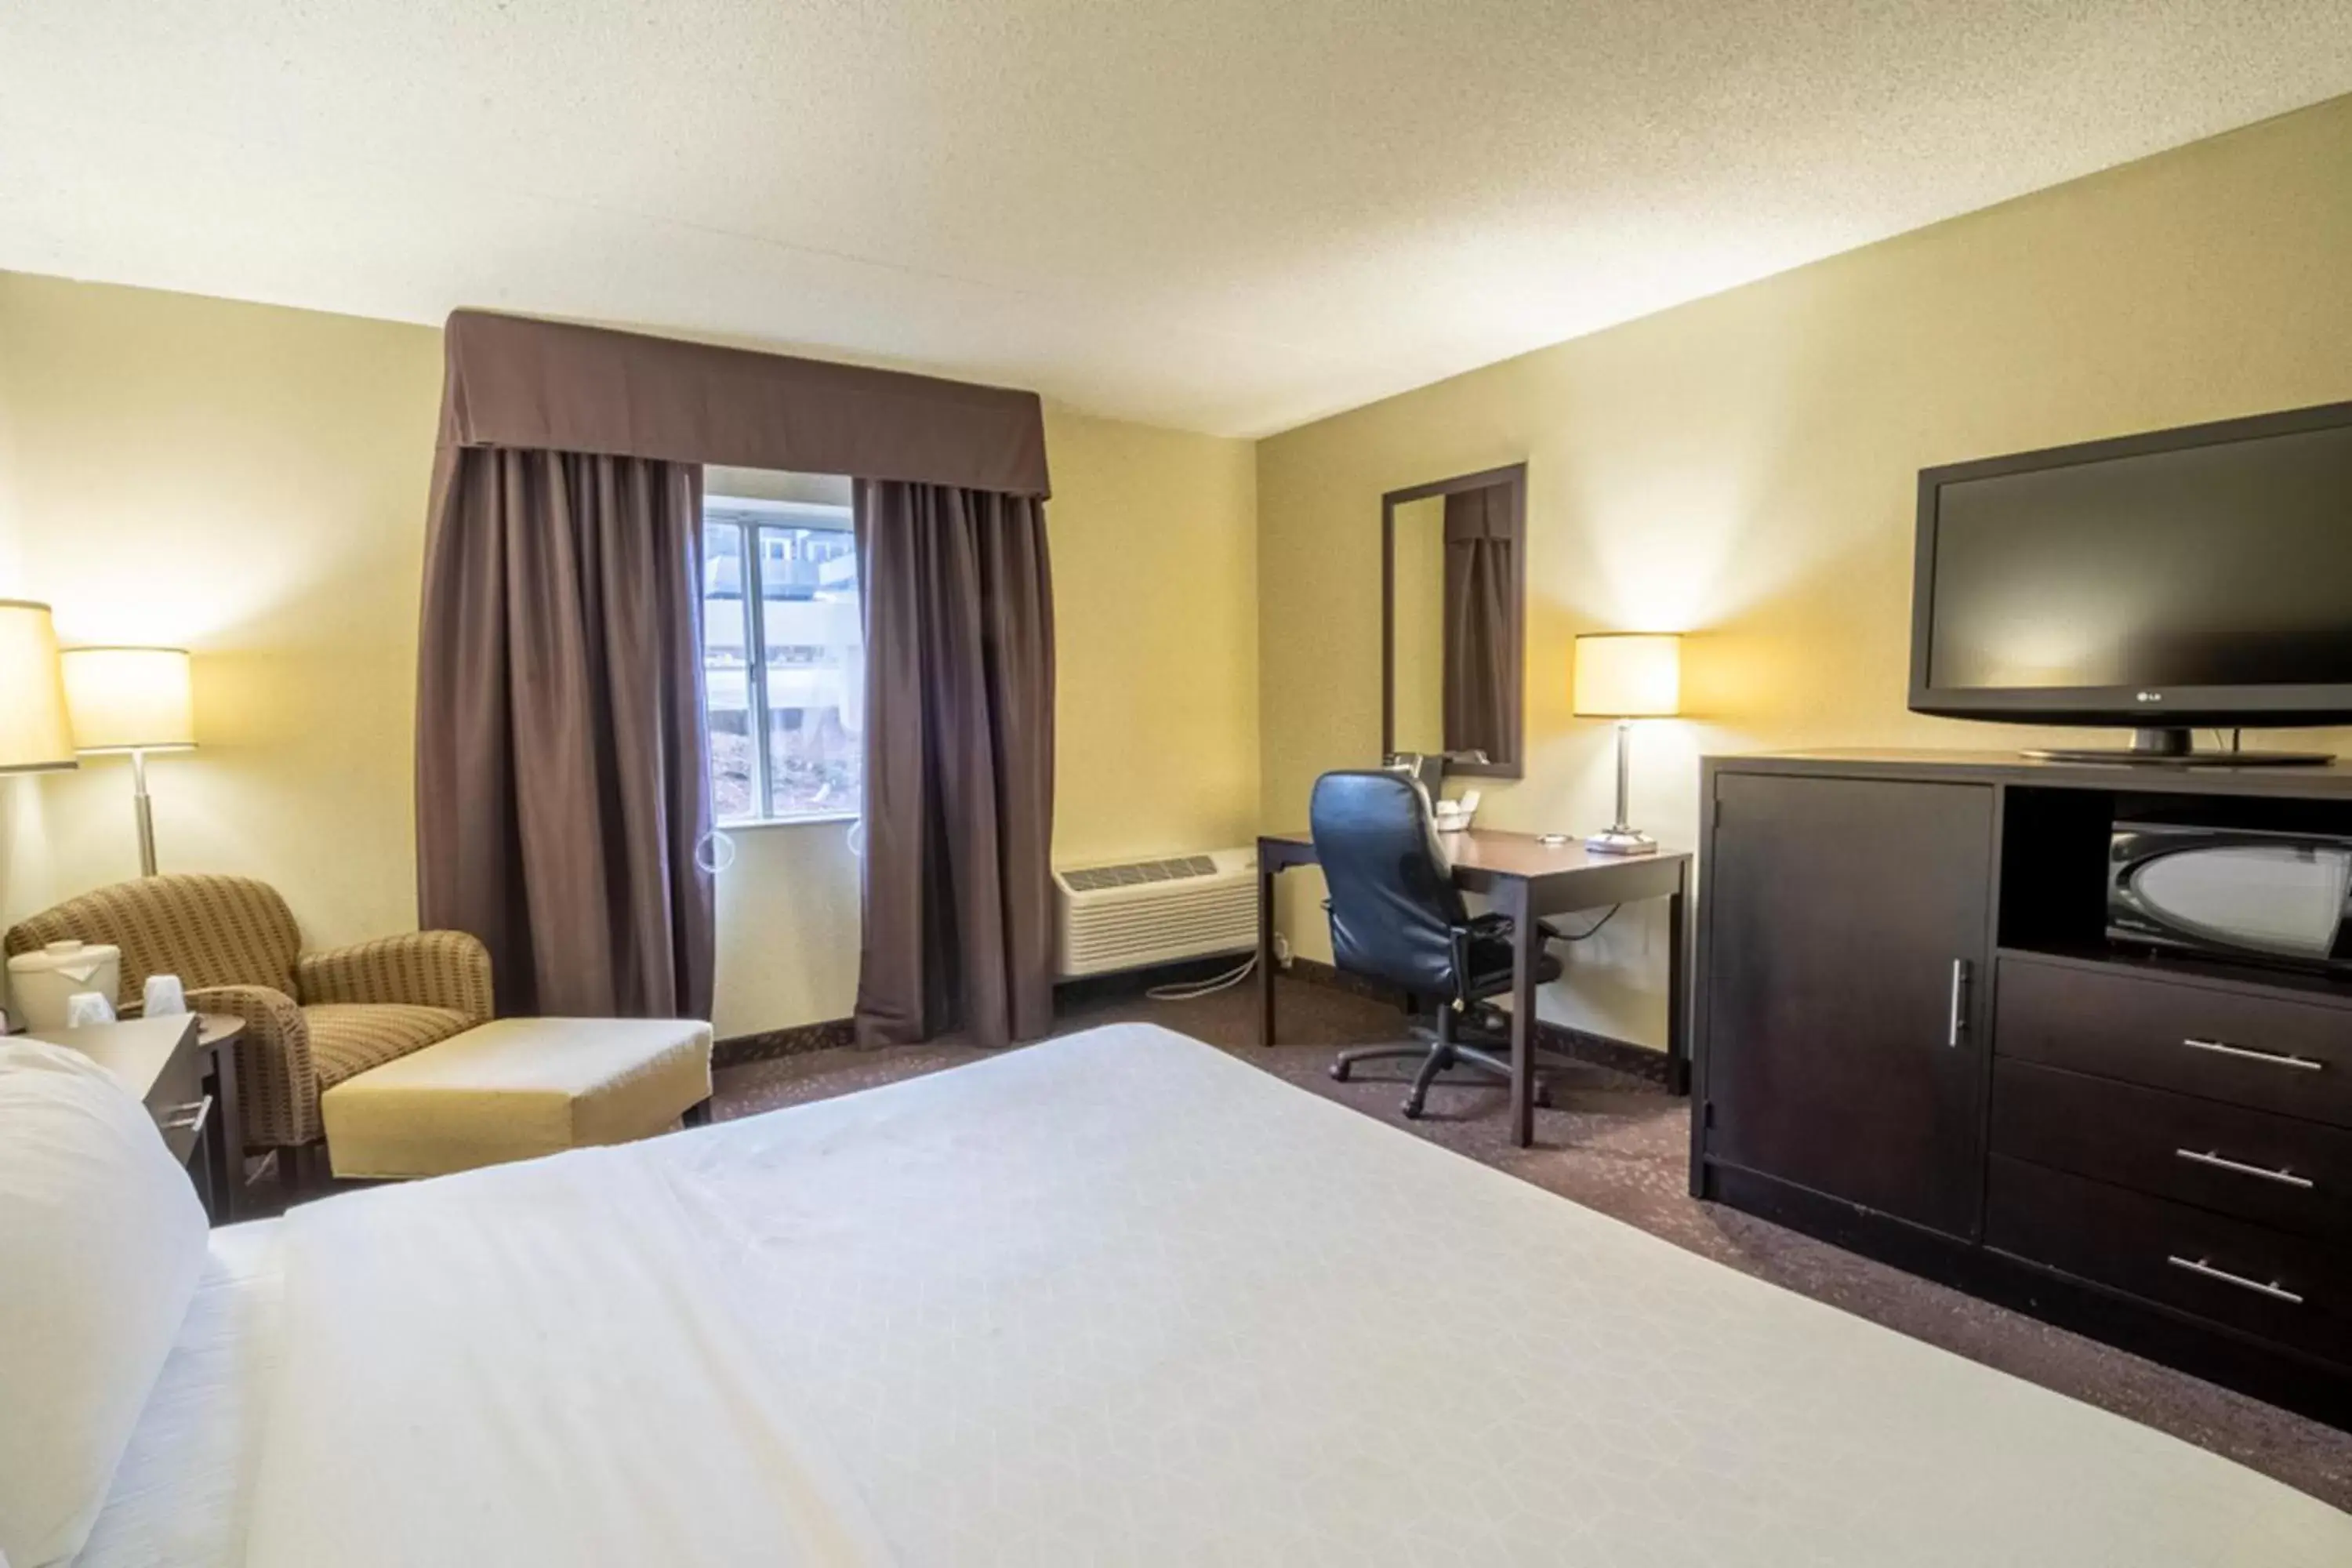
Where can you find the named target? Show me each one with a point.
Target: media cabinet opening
(2057, 849)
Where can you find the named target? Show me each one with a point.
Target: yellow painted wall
(250, 482)
(1155, 605)
(1745, 468)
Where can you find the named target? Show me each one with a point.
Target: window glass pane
(816, 668)
(727, 672)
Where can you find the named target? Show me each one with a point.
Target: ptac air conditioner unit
(1144, 912)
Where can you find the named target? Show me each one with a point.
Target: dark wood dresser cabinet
(1914, 1038)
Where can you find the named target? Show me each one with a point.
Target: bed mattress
(1120, 1299)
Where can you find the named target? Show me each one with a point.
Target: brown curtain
(958, 930)
(1479, 636)
(561, 787)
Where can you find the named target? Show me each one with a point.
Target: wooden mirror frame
(1513, 477)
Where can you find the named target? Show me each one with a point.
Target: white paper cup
(165, 999)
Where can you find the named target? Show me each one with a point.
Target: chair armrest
(422, 969)
(276, 1080)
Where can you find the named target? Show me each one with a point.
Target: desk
(1526, 880)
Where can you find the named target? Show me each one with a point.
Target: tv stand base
(2176, 749)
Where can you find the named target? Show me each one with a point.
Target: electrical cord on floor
(1194, 990)
(1593, 930)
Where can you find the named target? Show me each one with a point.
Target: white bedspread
(1117, 1298)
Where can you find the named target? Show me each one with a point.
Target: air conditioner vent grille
(1093, 878)
(1144, 912)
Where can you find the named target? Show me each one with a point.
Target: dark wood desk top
(1493, 852)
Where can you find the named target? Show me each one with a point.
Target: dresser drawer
(2286, 1289)
(2271, 1053)
(2276, 1170)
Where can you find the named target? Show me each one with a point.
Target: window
(786, 688)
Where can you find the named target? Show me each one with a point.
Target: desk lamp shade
(134, 700)
(35, 732)
(1627, 676)
(130, 699)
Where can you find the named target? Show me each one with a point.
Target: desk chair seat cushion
(1490, 961)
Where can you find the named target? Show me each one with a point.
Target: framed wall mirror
(1454, 620)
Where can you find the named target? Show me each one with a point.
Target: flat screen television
(2187, 579)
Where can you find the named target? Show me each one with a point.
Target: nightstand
(183, 1069)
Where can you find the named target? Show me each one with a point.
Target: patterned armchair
(312, 1019)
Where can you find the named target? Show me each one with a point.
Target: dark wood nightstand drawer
(2286, 1289)
(2275, 1170)
(177, 1101)
(2246, 1047)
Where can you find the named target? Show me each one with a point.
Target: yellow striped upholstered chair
(312, 1020)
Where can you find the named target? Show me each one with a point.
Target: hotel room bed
(1113, 1299)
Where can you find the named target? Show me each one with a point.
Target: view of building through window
(786, 688)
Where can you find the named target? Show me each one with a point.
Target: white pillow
(101, 1240)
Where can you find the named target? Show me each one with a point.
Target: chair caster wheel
(1339, 1071)
(1412, 1110)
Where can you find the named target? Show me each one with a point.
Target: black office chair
(1397, 916)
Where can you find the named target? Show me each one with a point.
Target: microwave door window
(2266, 899)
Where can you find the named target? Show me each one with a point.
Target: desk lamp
(1627, 676)
(133, 700)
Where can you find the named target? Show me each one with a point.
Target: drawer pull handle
(2245, 1053)
(2198, 1266)
(189, 1118)
(1957, 1019)
(2223, 1162)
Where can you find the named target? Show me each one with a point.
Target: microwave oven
(2237, 893)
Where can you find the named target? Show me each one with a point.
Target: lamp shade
(130, 699)
(34, 730)
(1629, 675)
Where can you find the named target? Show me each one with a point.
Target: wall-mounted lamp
(1627, 676)
(132, 700)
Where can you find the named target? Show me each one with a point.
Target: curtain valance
(555, 387)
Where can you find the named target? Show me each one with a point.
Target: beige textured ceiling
(1212, 214)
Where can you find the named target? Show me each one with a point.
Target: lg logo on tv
(2149, 696)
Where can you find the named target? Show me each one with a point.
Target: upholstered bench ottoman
(516, 1088)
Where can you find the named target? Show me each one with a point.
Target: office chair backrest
(1394, 903)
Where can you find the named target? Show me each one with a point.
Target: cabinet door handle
(2273, 1289)
(2223, 1163)
(1957, 1019)
(189, 1118)
(2247, 1053)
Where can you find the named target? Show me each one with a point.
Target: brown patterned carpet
(1619, 1145)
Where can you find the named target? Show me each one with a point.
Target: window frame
(752, 583)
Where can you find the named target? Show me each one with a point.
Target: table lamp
(35, 733)
(135, 700)
(1627, 676)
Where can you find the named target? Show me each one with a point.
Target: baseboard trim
(1601, 1050)
(771, 1044)
(837, 1033)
